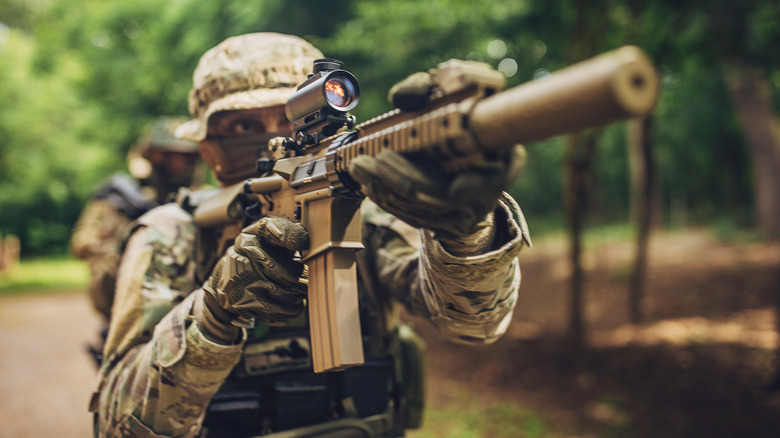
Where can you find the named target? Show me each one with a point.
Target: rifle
(467, 118)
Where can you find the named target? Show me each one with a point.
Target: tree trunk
(642, 197)
(749, 90)
(579, 159)
(774, 382)
(580, 152)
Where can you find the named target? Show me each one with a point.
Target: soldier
(159, 164)
(175, 365)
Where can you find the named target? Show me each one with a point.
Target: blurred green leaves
(45, 276)
(45, 165)
(80, 80)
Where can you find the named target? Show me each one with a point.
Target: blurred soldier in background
(160, 164)
(178, 360)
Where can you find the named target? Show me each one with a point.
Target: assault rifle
(466, 119)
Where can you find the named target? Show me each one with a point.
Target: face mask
(235, 158)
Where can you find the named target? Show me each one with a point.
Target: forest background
(690, 351)
(80, 81)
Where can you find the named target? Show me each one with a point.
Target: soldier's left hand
(418, 191)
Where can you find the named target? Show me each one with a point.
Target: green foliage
(46, 166)
(15, 13)
(44, 275)
(692, 157)
(86, 78)
(83, 79)
(386, 41)
(466, 417)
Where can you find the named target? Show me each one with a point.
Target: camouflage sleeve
(97, 236)
(159, 371)
(471, 296)
(468, 295)
(98, 230)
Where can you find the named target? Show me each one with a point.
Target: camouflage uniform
(98, 236)
(163, 377)
(102, 226)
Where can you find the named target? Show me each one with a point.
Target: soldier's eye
(248, 127)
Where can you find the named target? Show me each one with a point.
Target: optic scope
(319, 107)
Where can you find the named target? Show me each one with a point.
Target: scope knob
(327, 64)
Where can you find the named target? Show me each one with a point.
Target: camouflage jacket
(96, 239)
(101, 231)
(160, 373)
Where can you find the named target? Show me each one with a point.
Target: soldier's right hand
(258, 277)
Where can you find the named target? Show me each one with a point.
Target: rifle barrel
(613, 86)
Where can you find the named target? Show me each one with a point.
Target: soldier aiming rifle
(271, 307)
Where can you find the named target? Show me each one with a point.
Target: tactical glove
(257, 277)
(412, 93)
(416, 190)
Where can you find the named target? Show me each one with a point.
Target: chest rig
(273, 389)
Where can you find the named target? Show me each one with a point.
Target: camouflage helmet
(243, 72)
(159, 136)
(162, 136)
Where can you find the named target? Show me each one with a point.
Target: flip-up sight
(319, 108)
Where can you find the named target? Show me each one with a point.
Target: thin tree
(642, 196)
(579, 158)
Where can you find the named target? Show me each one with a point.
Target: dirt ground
(697, 367)
(45, 374)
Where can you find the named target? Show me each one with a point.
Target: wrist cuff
(214, 322)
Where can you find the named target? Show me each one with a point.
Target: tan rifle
(467, 118)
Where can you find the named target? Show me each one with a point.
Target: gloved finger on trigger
(270, 257)
(280, 267)
(286, 310)
(276, 295)
(267, 308)
(275, 313)
(283, 233)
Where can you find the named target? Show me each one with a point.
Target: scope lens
(339, 92)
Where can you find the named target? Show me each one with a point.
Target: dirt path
(696, 369)
(45, 373)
